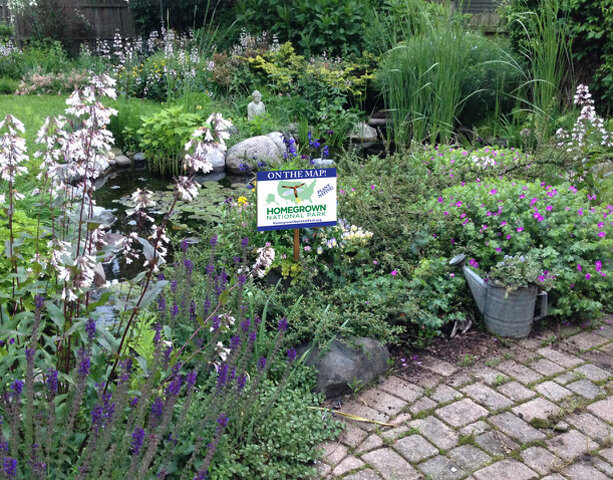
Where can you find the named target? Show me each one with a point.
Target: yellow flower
(242, 201)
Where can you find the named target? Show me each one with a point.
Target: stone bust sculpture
(256, 107)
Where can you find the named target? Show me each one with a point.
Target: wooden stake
(296, 244)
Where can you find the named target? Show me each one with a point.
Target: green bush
(8, 85)
(313, 25)
(13, 66)
(163, 135)
(125, 125)
(489, 219)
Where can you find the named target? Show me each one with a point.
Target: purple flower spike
(90, 328)
(245, 242)
(283, 324)
(184, 245)
(213, 241)
(9, 465)
(222, 420)
(52, 380)
(17, 387)
(157, 408)
(262, 363)
(190, 379)
(138, 436)
(174, 387)
(84, 366)
(39, 300)
(291, 354)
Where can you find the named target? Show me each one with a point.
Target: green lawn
(32, 110)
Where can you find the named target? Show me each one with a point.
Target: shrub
(489, 219)
(8, 85)
(13, 65)
(124, 126)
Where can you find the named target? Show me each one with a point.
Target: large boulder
(277, 137)
(347, 363)
(123, 161)
(249, 152)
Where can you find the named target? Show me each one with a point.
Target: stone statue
(256, 107)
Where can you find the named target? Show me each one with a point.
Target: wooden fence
(5, 14)
(101, 18)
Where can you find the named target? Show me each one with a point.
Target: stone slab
(486, 396)
(437, 432)
(536, 408)
(367, 474)
(439, 366)
(584, 471)
(552, 391)
(546, 367)
(390, 465)
(591, 425)
(401, 389)
(383, 402)
(519, 372)
(415, 448)
(496, 443)
(594, 373)
(540, 460)
(586, 341)
(461, 413)
(586, 389)
(441, 468)
(516, 391)
(445, 394)
(566, 360)
(570, 445)
(468, 457)
(603, 409)
(516, 428)
(506, 470)
(348, 464)
(372, 442)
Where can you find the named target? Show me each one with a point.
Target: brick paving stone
(390, 465)
(461, 413)
(593, 372)
(516, 391)
(468, 457)
(476, 428)
(570, 445)
(566, 378)
(536, 408)
(439, 366)
(348, 464)
(519, 372)
(585, 340)
(444, 394)
(401, 389)
(607, 454)
(529, 343)
(516, 428)
(590, 425)
(488, 375)
(554, 476)
(540, 460)
(586, 389)
(583, 471)
(524, 356)
(437, 432)
(608, 348)
(383, 401)
(428, 379)
(603, 466)
(605, 331)
(441, 468)
(566, 360)
(323, 469)
(393, 433)
(415, 448)
(334, 453)
(552, 390)
(603, 409)
(357, 408)
(373, 441)
(353, 435)
(422, 405)
(459, 379)
(505, 470)
(546, 367)
(496, 443)
(487, 397)
(367, 474)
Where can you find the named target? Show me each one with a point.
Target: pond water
(113, 193)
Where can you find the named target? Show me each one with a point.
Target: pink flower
(375, 262)
(372, 187)
(445, 213)
(509, 237)
(549, 208)
(493, 191)
(498, 249)
(394, 273)
(579, 267)
(600, 225)
(440, 199)
(502, 224)
(520, 229)
(598, 265)
(522, 196)
(452, 275)
(587, 276)
(601, 234)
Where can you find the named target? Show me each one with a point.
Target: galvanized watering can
(506, 313)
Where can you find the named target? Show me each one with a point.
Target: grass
(32, 110)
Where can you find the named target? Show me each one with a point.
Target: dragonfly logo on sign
(296, 199)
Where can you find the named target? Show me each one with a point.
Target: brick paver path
(537, 410)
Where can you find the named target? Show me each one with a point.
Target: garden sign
(296, 199)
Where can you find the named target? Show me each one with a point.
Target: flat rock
(217, 158)
(363, 132)
(277, 137)
(122, 161)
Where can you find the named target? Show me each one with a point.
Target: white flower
(266, 255)
(186, 188)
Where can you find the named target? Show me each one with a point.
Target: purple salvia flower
(173, 285)
(189, 266)
(161, 277)
(176, 368)
(241, 381)
(126, 370)
(262, 363)
(235, 342)
(184, 245)
(4, 445)
(158, 333)
(138, 436)
(84, 365)
(9, 465)
(241, 280)
(157, 408)
(167, 353)
(236, 259)
(291, 354)
(52, 381)
(222, 420)
(190, 379)
(174, 387)
(90, 328)
(161, 304)
(216, 323)
(202, 474)
(245, 325)
(213, 241)
(174, 311)
(245, 242)
(283, 324)
(210, 269)
(17, 387)
(39, 300)
(134, 402)
(253, 335)
(223, 375)
(192, 311)
(257, 320)
(30, 354)
(205, 306)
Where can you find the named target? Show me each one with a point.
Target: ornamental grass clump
(81, 398)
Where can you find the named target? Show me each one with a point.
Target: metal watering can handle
(542, 296)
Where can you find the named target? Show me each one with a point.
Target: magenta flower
(549, 208)
(502, 224)
(601, 234)
(587, 276)
(498, 249)
(473, 263)
(509, 236)
(579, 267)
(394, 273)
(493, 191)
(598, 265)
(520, 229)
